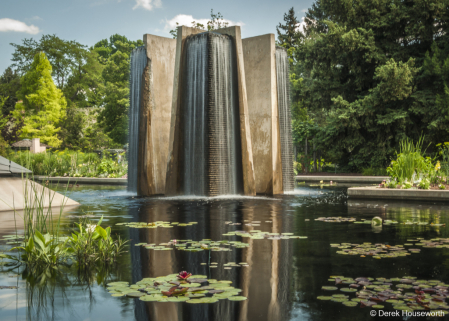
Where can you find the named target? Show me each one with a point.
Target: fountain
(137, 66)
(285, 122)
(229, 99)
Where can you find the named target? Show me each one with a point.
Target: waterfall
(211, 162)
(137, 66)
(285, 123)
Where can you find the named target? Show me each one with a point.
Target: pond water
(283, 278)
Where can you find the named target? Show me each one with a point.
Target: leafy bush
(410, 162)
(374, 171)
(70, 163)
(92, 243)
(424, 183)
(43, 250)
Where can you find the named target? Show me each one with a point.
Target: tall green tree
(9, 86)
(375, 72)
(288, 34)
(114, 90)
(43, 105)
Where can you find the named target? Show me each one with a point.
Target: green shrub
(92, 243)
(410, 162)
(424, 183)
(374, 171)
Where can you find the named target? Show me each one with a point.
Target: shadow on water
(283, 277)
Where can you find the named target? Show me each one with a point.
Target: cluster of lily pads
(374, 293)
(182, 287)
(155, 224)
(335, 219)
(377, 250)
(423, 223)
(259, 235)
(340, 219)
(195, 246)
(433, 243)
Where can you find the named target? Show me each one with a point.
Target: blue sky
(88, 21)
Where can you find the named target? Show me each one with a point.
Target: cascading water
(211, 137)
(137, 66)
(285, 124)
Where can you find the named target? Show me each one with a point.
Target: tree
(43, 105)
(114, 91)
(216, 22)
(288, 34)
(375, 72)
(9, 86)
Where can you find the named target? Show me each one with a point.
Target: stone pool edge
(83, 180)
(398, 194)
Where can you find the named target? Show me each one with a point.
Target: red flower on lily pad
(184, 275)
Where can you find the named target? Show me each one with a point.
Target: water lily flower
(184, 275)
(204, 246)
(174, 241)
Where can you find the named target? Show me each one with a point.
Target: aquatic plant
(184, 275)
(375, 293)
(377, 251)
(156, 224)
(92, 243)
(410, 161)
(43, 250)
(197, 289)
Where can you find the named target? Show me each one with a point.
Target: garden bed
(398, 194)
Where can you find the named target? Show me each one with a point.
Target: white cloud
(7, 24)
(36, 18)
(304, 10)
(300, 26)
(186, 20)
(148, 4)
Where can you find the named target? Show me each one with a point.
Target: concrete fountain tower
(209, 115)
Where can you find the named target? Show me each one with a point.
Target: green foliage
(424, 183)
(289, 36)
(374, 171)
(9, 86)
(216, 22)
(374, 73)
(92, 243)
(410, 163)
(43, 106)
(43, 250)
(114, 91)
(70, 163)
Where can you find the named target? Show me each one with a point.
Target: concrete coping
(342, 179)
(398, 194)
(83, 180)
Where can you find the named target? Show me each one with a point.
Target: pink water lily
(184, 275)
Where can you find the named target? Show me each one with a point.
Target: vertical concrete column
(174, 149)
(156, 107)
(249, 187)
(34, 145)
(260, 72)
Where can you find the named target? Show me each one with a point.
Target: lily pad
(237, 298)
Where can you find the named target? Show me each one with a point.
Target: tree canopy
(374, 72)
(43, 105)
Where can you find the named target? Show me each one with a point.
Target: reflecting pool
(282, 279)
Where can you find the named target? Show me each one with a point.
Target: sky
(88, 21)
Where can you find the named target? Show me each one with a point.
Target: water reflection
(265, 281)
(283, 277)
